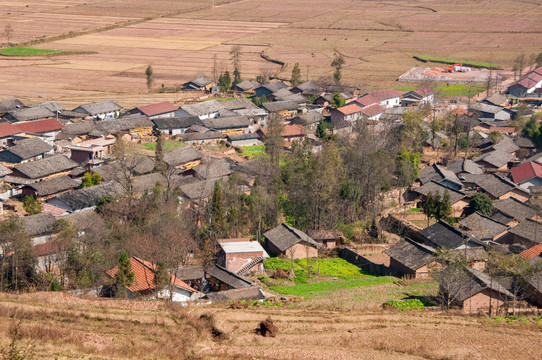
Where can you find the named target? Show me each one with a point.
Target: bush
(31, 205)
(401, 305)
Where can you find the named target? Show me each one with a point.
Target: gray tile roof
(411, 254)
(30, 113)
(201, 81)
(212, 169)
(28, 148)
(226, 122)
(284, 237)
(492, 109)
(38, 224)
(4, 171)
(310, 117)
(190, 273)
(45, 167)
(275, 86)
(51, 105)
(204, 107)
(444, 235)
(528, 229)
(182, 155)
(494, 185)
(434, 187)
(54, 185)
(496, 158)
(176, 122)
(514, 208)
(496, 99)
(465, 166)
(249, 293)
(99, 107)
(437, 173)
(482, 227)
(201, 136)
(198, 189)
(473, 281)
(280, 106)
(88, 197)
(229, 278)
(10, 104)
(238, 104)
(247, 85)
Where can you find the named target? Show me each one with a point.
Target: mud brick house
(249, 293)
(100, 110)
(495, 186)
(472, 290)
(328, 239)
(458, 199)
(45, 168)
(246, 86)
(444, 235)
(85, 198)
(28, 114)
(211, 169)
(487, 111)
(26, 150)
(411, 259)
(466, 166)
(523, 236)
(241, 255)
(202, 83)
(293, 243)
(290, 133)
(511, 211)
(144, 285)
(10, 104)
(49, 188)
(269, 88)
(483, 227)
(228, 125)
(495, 161)
(184, 158)
(441, 175)
(285, 109)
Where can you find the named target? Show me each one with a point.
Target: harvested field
(180, 40)
(64, 327)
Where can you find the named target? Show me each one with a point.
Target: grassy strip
(168, 145)
(254, 151)
(335, 267)
(449, 90)
(221, 99)
(321, 288)
(475, 64)
(412, 304)
(23, 51)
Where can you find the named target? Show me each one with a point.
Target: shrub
(31, 205)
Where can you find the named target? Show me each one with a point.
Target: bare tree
(8, 31)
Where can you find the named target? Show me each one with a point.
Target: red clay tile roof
(293, 130)
(373, 110)
(55, 210)
(349, 109)
(45, 249)
(531, 78)
(386, 94)
(367, 100)
(159, 108)
(144, 277)
(531, 252)
(526, 171)
(38, 126)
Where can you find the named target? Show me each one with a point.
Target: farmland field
(182, 39)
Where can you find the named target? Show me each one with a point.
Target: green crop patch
(440, 60)
(22, 51)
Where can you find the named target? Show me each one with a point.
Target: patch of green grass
(413, 210)
(254, 151)
(22, 51)
(448, 90)
(322, 288)
(411, 304)
(221, 99)
(451, 61)
(168, 145)
(335, 267)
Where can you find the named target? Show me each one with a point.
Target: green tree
(407, 167)
(235, 53)
(324, 131)
(273, 140)
(296, 75)
(31, 205)
(159, 163)
(90, 179)
(124, 277)
(224, 81)
(217, 223)
(429, 206)
(481, 203)
(495, 136)
(444, 207)
(338, 63)
(533, 132)
(161, 275)
(337, 100)
(148, 75)
(436, 207)
(412, 134)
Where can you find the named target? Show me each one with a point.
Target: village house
(496, 99)
(249, 139)
(28, 114)
(371, 114)
(388, 98)
(482, 227)
(411, 259)
(522, 236)
(285, 109)
(529, 85)
(175, 125)
(211, 169)
(38, 227)
(144, 286)
(46, 130)
(527, 174)
(204, 110)
(241, 255)
(246, 86)
(193, 275)
(219, 278)
(246, 294)
(195, 193)
(487, 111)
(228, 125)
(201, 138)
(10, 104)
(458, 199)
(466, 166)
(472, 290)
(84, 198)
(294, 244)
(269, 88)
(307, 88)
(245, 107)
(202, 83)
(497, 187)
(347, 114)
(495, 161)
(328, 239)
(92, 152)
(100, 110)
(44, 169)
(511, 211)
(309, 120)
(440, 174)
(155, 111)
(290, 133)
(489, 125)
(444, 235)
(419, 97)
(26, 150)
(46, 189)
(184, 158)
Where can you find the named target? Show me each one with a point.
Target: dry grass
(64, 327)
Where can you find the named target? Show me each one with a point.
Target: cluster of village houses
(46, 149)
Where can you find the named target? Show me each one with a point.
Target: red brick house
(241, 255)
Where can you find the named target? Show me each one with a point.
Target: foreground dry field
(64, 327)
(181, 39)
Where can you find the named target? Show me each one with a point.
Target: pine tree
(161, 275)
(125, 277)
(148, 74)
(445, 206)
(338, 63)
(218, 215)
(224, 81)
(159, 163)
(296, 75)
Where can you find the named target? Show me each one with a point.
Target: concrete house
(528, 86)
(421, 96)
(100, 110)
(241, 255)
(144, 286)
(92, 152)
(388, 98)
(293, 243)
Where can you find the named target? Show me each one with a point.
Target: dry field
(181, 38)
(63, 327)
